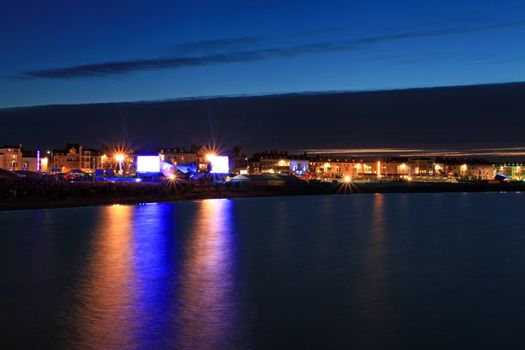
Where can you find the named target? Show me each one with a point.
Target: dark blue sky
(101, 51)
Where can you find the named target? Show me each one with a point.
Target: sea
(361, 271)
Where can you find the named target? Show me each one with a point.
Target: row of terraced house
(76, 157)
(329, 167)
(324, 167)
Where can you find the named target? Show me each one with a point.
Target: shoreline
(29, 203)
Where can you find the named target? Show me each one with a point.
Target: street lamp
(210, 156)
(403, 168)
(119, 157)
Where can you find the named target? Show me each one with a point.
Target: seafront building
(76, 157)
(179, 156)
(122, 161)
(197, 154)
(409, 168)
(117, 158)
(275, 162)
(238, 161)
(335, 167)
(11, 157)
(473, 169)
(35, 162)
(15, 158)
(514, 170)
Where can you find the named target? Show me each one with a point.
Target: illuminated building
(179, 156)
(439, 169)
(201, 151)
(75, 156)
(421, 166)
(471, 169)
(118, 158)
(44, 164)
(336, 167)
(11, 157)
(280, 163)
(513, 170)
(238, 161)
(31, 161)
(201, 159)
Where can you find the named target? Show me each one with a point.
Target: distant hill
(467, 116)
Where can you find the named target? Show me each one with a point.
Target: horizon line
(264, 94)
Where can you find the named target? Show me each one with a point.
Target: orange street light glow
(210, 156)
(119, 157)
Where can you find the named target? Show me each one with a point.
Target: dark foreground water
(405, 271)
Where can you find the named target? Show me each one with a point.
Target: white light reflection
(207, 310)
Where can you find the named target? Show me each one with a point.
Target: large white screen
(219, 164)
(148, 164)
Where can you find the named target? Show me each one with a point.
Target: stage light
(148, 164)
(119, 157)
(219, 164)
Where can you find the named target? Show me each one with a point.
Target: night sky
(105, 51)
(81, 53)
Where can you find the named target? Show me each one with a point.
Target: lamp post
(119, 157)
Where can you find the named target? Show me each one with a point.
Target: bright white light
(210, 156)
(219, 164)
(148, 164)
(119, 157)
(347, 179)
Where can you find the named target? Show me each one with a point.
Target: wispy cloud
(231, 50)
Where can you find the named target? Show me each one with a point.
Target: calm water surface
(403, 271)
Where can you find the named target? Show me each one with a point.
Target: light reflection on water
(207, 304)
(374, 284)
(129, 295)
(411, 271)
(104, 317)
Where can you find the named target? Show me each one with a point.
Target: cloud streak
(233, 54)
